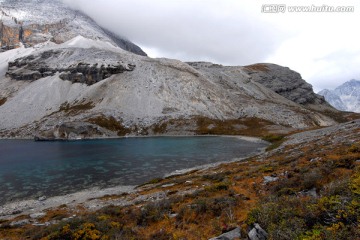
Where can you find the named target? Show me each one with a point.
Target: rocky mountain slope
(345, 97)
(30, 22)
(109, 90)
(81, 84)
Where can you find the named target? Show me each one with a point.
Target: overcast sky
(323, 47)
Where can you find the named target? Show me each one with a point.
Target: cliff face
(13, 36)
(285, 82)
(9, 36)
(23, 22)
(74, 68)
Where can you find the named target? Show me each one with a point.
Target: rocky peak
(24, 22)
(351, 87)
(284, 82)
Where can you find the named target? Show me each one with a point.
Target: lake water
(31, 169)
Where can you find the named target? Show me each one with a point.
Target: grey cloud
(341, 67)
(188, 30)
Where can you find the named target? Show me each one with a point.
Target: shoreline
(87, 196)
(242, 137)
(212, 165)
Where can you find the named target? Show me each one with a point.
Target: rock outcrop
(284, 82)
(257, 233)
(71, 131)
(231, 235)
(46, 63)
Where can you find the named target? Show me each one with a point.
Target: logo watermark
(282, 8)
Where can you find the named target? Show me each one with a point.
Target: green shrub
(2, 101)
(218, 187)
(217, 177)
(335, 215)
(153, 212)
(273, 138)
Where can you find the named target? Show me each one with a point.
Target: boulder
(233, 234)
(257, 233)
(37, 215)
(268, 179)
(20, 223)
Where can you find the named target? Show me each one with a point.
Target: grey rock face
(46, 64)
(71, 131)
(20, 223)
(285, 82)
(233, 234)
(125, 44)
(257, 233)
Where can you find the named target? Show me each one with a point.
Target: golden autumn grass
(257, 67)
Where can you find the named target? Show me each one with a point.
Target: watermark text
(282, 8)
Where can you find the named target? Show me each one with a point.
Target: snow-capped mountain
(345, 97)
(30, 22)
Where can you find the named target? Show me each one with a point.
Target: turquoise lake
(30, 169)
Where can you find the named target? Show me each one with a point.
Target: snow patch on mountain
(82, 42)
(345, 97)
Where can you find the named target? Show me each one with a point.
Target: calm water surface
(31, 169)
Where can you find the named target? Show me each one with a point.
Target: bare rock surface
(35, 207)
(230, 235)
(257, 233)
(285, 82)
(344, 129)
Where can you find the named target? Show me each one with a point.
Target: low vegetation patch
(76, 108)
(111, 124)
(2, 101)
(318, 199)
(275, 140)
(247, 126)
(341, 117)
(160, 128)
(154, 181)
(257, 67)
